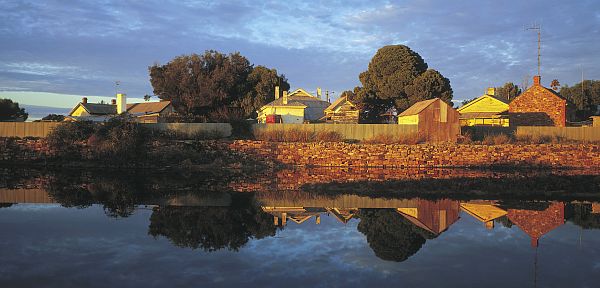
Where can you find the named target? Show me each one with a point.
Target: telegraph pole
(538, 28)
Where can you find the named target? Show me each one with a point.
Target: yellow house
(486, 110)
(296, 107)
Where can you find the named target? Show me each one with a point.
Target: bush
(297, 135)
(409, 139)
(117, 140)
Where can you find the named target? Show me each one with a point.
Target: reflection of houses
(433, 216)
(296, 107)
(435, 119)
(539, 106)
(343, 215)
(296, 214)
(486, 110)
(147, 112)
(537, 223)
(483, 211)
(342, 111)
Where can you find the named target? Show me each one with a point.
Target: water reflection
(209, 212)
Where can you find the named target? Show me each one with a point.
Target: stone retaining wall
(330, 154)
(424, 155)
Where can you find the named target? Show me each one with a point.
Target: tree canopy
(10, 111)
(214, 86)
(508, 91)
(585, 95)
(398, 77)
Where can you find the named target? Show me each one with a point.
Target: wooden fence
(348, 131)
(572, 133)
(26, 129)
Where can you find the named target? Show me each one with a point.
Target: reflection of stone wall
(424, 155)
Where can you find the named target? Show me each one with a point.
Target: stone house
(539, 106)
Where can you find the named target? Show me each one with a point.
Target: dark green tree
(508, 91)
(54, 117)
(10, 111)
(213, 86)
(586, 97)
(391, 236)
(398, 77)
(262, 82)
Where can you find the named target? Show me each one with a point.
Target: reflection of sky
(63, 247)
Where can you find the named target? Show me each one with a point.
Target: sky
(53, 52)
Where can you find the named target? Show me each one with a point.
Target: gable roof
(338, 102)
(96, 108)
(418, 107)
(147, 107)
(480, 99)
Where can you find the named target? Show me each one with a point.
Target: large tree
(508, 92)
(398, 77)
(10, 110)
(212, 86)
(585, 95)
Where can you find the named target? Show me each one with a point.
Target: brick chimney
(285, 97)
(276, 92)
(113, 101)
(84, 100)
(121, 103)
(536, 80)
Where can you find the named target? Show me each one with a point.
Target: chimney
(113, 101)
(121, 103)
(536, 80)
(285, 97)
(84, 100)
(319, 92)
(276, 92)
(491, 91)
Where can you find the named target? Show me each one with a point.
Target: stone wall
(423, 155)
(339, 154)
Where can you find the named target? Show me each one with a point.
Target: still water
(89, 229)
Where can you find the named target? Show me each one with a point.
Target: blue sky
(75, 48)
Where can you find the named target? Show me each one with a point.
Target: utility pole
(538, 28)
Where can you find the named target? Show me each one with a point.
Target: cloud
(82, 47)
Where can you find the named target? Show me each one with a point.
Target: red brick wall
(538, 107)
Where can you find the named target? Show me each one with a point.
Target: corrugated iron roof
(418, 107)
(147, 107)
(99, 109)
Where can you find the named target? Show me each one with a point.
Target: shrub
(120, 139)
(65, 137)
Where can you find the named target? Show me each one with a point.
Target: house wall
(80, 111)
(288, 114)
(538, 107)
(408, 120)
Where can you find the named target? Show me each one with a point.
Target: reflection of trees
(581, 215)
(390, 235)
(5, 205)
(213, 228)
(504, 221)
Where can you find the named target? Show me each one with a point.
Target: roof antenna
(117, 84)
(538, 28)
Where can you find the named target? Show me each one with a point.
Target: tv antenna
(538, 28)
(117, 84)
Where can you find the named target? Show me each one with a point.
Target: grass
(297, 135)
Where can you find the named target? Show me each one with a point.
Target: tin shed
(436, 120)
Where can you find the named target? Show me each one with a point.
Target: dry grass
(545, 139)
(496, 139)
(409, 139)
(298, 135)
